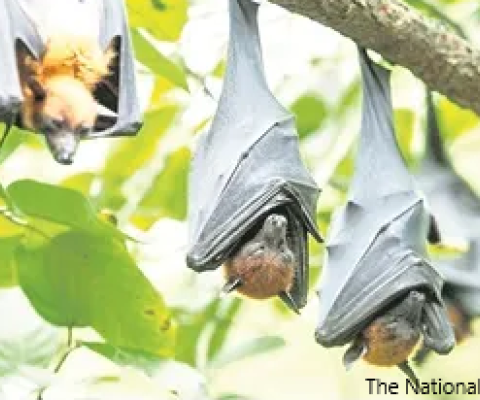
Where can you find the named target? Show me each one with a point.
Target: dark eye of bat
(82, 130)
(51, 125)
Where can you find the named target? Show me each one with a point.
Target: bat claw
(355, 352)
(407, 370)
(290, 302)
(231, 285)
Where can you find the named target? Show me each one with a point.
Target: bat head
(410, 309)
(64, 110)
(264, 266)
(273, 236)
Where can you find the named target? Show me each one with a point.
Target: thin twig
(71, 347)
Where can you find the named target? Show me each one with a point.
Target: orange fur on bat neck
(78, 57)
(68, 72)
(385, 348)
(261, 278)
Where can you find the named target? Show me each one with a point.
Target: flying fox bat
(457, 208)
(451, 199)
(378, 291)
(252, 201)
(67, 71)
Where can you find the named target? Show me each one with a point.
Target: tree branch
(441, 59)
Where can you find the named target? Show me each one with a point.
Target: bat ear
(407, 370)
(231, 285)
(105, 112)
(289, 301)
(433, 231)
(356, 351)
(37, 89)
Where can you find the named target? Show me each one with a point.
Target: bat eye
(57, 123)
(260, 249)
(83, 130)
(51, 125)
(37, 89)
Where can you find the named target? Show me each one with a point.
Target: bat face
(264, 266)
(64, 114)
(82, 60)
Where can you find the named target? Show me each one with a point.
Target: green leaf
(132, 155)
(163, 18)
(223, 323)
(12, 142)
(147, 362)
(250, 348)
(81, 280)
(190, 328)
(81, 182)
(404, 120)
(150, 56)
(5, 201)
(160, 200)
(59, 205)
(8, 273)
(349, 98)
(346, 166)
(310, 111)
(454, 120)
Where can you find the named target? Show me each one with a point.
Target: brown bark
(444, 61)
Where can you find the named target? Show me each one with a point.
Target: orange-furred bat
(68, 71)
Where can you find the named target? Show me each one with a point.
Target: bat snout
(64, 157)
(276, 221)
(416, 297)
(63, 146)
(275, 228)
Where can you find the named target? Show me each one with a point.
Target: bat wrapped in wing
(457, 211)
(451, 200)
(67, 71)
(251, 199)
(378, 291)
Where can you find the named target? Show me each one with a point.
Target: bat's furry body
(264, 265)
(391, 337)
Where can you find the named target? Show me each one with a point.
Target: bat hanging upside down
(58, 91)
(264, 266)
(391, 337)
